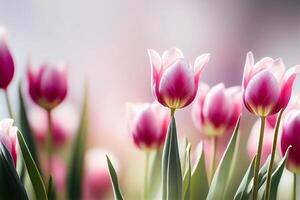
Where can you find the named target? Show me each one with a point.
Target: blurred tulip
(147, 124)
(64, 124)
(47, 85)
(174, 80)
(6, 61)
(216, 110)
(291, 136)
(8, 137)
(267, 86)
(96, 181)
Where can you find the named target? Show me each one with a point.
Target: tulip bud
(216, 110)
(147, 124)
(48, 85)
(290, 137)
(174, 80)
(267, 86)
(96, 180)
(64, 124)
(6, 61)
(8, 137)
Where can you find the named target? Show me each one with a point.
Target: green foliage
(114, 180)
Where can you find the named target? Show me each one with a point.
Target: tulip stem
(49, 143)
(274, 145)
(8, 104)
(214, 144)
(258, 156)
(294, 186)
(172, 112)
(146, 175)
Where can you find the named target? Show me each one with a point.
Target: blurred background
(106, 42)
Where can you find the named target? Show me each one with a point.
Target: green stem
(49, 144)
(8, 104)
(146, 175)
(172, 111)
(213, 156)
(274, 145)
(258, 156)
(294, 186)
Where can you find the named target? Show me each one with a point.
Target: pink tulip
(48, 85)
(147, 124)
(216, 109)
(64, 124)
(96, 181)
(6, 61)
(8, 137)
(291, 136)
(174, 80)
(267, 86)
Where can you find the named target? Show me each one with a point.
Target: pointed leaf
(114, 180)
(154, 175)
(187, 175)
(51, 194)
(220, 180)
(183, 154)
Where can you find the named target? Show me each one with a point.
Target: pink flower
(290, 136)
(147, 124)
(174, 80)
(64, 124)
(216, 109)
(48, 85)
(96, 181)
(6, 61)
(267, 86)
(8, 137)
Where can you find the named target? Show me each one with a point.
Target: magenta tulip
(147, 124)
(8, 137)
(216, 110)
(174, 80)
(48, 85)
(267, 86)
(290, 136)
(6, 61)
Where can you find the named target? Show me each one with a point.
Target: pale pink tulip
(8, 137)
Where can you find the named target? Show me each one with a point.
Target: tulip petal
(170, 56)
(200, 62)
(248, 67)
(278, 69)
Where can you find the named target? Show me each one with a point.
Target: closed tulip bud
(267, 86)
(216, 110)
(8, 137)
(47, 85)
(96, 180)
(6, 61)
(290, 136)
(147, 124)
(174, 80)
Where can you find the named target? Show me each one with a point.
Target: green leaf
(220, 180)
(187, 175)
(33, 172)
(262, 175)
(51, 194)
(11, 186)
(183, 154)
(114, 180)
(171, 168)
(154, 175)
(199, 180)
(242, 192)
(75, 172)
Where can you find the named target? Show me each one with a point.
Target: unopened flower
(8, 137)
(290, 137)
(147, 124)
(174, 80)
(6, 61)
(216, 110)
(47, 85)
(267, 86)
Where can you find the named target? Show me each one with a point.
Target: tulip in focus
(267, 85)
(47, 85)
(6, 61)
(216, 110)
(8, 137)
(174, 80)
(147, 124)
(96, 180)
